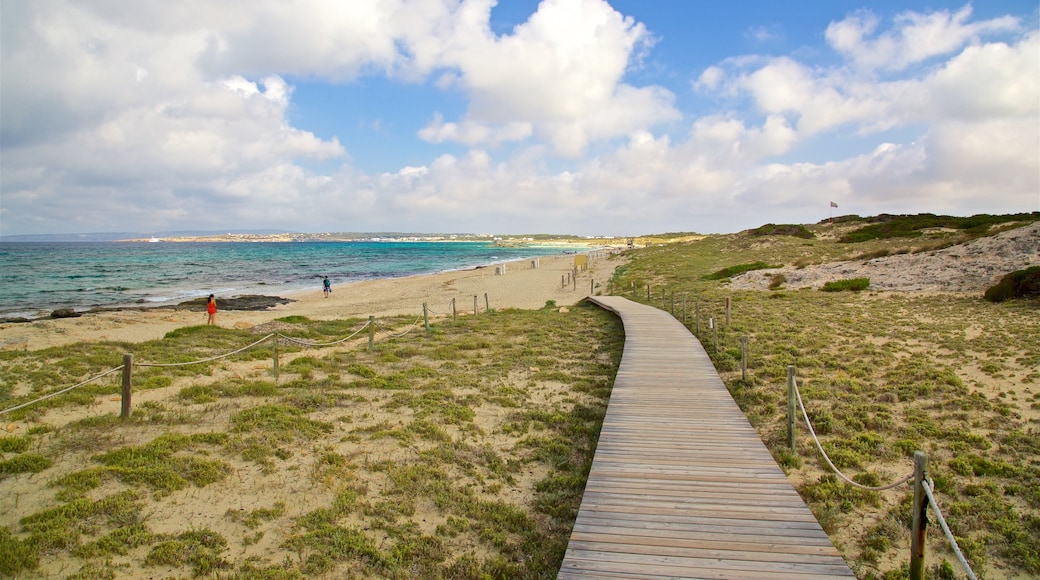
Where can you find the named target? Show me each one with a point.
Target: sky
(586, 117)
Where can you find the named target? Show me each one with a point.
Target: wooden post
(790, 406)
(697, 318)
(592, 287)
(684, 308)
(128, 372)
(920, 514)
(743, 358)
(714, 333)
(487, 304)
(475, 305)
(454, 313)
(274, 356)
(426, 317)
(575, 279)
(371, 331)
(648, 293)
(727, 311)
(673, 303)
(562, 283)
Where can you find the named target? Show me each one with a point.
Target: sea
(37, 278)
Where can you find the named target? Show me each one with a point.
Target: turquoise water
(36, 278)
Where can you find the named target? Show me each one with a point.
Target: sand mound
(969, 267)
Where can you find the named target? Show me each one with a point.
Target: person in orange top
(211, 308)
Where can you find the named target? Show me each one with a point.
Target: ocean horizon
(37, 278)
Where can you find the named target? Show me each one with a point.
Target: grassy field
(882, 376)
(462, 453)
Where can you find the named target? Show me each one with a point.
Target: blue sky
(564, 116)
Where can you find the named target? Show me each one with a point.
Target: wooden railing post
(743, 358)
(454, 312)
(487, 303)
(128, 371)
(475, 305)
(697, 318)
(426, 317)
(727, 311)
(790, 406)
(714, 334)
(920, 521)
(274, 349)
(371, 331)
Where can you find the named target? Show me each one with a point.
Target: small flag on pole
(834, 204)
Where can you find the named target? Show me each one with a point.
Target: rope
(927, 486)
(65, 390)
(410, 328)
(212, 358)
(335, 342)
(828, 459)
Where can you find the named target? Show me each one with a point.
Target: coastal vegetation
(463, 452)
(458, 453)
(882, 375)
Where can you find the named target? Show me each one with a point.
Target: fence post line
(727, 311)
(371, 331)
(487, 303)
(426, 317)
(743, 358)
(920, 521)
(128, 371)
(790, 406)
(274, 345)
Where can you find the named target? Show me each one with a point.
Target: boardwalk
(681, 486)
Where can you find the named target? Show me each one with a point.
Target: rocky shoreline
(248, 302)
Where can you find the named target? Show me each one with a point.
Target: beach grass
(881, 375)
(458, 453)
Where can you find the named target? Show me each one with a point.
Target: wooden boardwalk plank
(681, 486)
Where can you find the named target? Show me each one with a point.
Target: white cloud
(559, 73)
(180, 115)
(915, 38)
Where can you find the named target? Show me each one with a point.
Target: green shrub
(797, 231)
(25, 463)
(852, 284)
(739, 269)
(1018, 284)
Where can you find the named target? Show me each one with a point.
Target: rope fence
(922, 486)
(274, 337)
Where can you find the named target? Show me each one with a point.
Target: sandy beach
(521, 285)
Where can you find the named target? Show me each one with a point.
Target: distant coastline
(450, 238)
